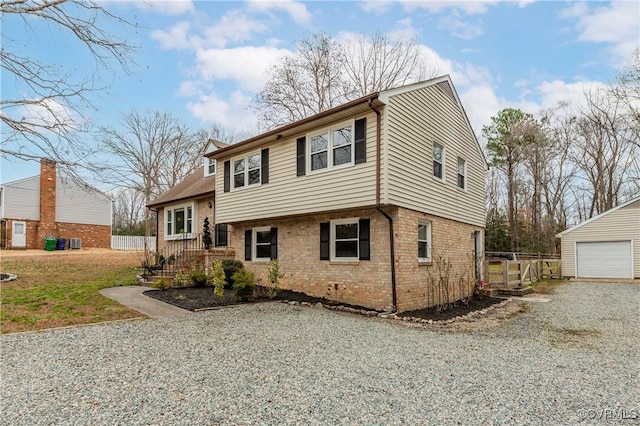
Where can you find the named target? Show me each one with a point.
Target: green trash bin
(50, 244)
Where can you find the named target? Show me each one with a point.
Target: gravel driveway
(562, 362)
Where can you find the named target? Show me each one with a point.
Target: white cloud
(468, 7)
(296, 10)
(232, 114)
(459, 28)
(244, 65)
(167, 7)
(177, 37)
(378, 7)
(235, 26)
(616, 24)
(50, 114)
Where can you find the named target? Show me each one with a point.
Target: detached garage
(605, 246)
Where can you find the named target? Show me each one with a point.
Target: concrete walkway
(132, 297)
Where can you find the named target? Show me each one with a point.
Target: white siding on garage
(622, 224)
(604, 259)
(22, 199)
(78, 204)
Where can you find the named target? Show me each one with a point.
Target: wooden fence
(517, 273)
(131, 242)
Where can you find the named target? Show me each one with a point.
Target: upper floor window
(331, 147)
(179, 220)
(209, 166)
(246, 171)
(462, 173)
(424, 240)
(438, 161)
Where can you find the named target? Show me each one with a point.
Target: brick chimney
(47, 223)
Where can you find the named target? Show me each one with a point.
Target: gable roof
(357, 106)
(195, 185)
(601, 215)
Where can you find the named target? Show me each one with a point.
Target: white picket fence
(130, 242)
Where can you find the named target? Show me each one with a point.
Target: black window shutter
(274, 243)
(364, 239)
(264, 175)
(324, 241)
(247, 244)
(301, 155)
(221, 235)
(227, 176)
(361, 140)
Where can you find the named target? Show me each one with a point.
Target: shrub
(162, 284)
(230, 267)
(219, 280)
(243, 284)
(274, 278)
(198, 278)
(179, 279)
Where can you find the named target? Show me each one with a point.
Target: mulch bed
(198, 298)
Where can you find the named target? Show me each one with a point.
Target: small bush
(219, 280)
(179, 279)
(274, 278)
(162, 284)
(198, 278)
(230, 267)
(243, 284)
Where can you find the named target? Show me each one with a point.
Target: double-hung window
(438, 161)
(210, 167)
(462, 173)
(345, 240)
(178, 220)
(261, 243)
(424, 241)
(331, 147)
(246, 170)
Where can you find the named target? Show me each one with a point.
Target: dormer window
(209, 167)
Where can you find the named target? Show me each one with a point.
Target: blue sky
(204, 61)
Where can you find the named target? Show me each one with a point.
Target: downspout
(385, 214)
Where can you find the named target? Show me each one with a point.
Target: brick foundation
(368, 283)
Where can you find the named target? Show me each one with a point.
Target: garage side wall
(619, 225)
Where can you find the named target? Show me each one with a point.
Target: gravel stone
(279, 364)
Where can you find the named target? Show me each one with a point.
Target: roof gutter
(394, 299)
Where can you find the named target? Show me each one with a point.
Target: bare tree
(627, 91)
(603, 152)
(324, 73)
(303, 84)
(128, 212)
(49, 117)
(154, 152)
(377, 62)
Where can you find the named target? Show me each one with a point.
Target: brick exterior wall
(368, 282)
(92, 236)
(202, 210)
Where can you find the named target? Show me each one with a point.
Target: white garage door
(604, 259)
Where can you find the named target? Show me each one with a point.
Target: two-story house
(378, 202)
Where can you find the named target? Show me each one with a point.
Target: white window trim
(254, 243)
(207, 163)
(464, 173)
(330, 148)
(444, 161)
(246, 171)
(332, 239)
(194, 222)
(429, 240)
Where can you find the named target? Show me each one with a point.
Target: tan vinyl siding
(416, 120)
(287, 194)
(22, 199)
(619, 225)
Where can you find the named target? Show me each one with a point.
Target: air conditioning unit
(75, 243)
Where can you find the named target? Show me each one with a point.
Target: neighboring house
(50, 205)
(378, 202)
(605, 246)
(182, 209)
